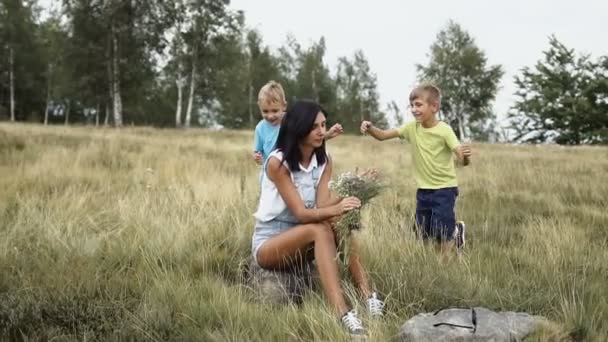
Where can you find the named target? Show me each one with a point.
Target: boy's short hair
(427, 92)
(272, 92)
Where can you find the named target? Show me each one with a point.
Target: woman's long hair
(295, 127)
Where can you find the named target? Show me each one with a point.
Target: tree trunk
(11, 71)
(48, 96)
(97, 115)
(460, 127)
(116, 81)
(251, 124)
(67, 113)
(250, 91)
(109, 102)
(361, 115)
(106, 120)
(192, 85)
(314, 86)
(180, 82)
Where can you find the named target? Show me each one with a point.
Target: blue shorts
(264, 231)
(435, 217)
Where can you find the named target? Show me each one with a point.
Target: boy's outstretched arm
(334, 131)
(377, 133)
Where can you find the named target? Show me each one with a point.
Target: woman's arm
(325, 197)
(279, 175)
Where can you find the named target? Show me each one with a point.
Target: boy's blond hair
(272, 92)
(427, 92)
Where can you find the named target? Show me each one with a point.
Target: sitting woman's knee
(323, 231)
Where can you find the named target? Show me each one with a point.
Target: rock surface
(491, 326)
(281, 287)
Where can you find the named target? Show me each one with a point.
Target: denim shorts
(266, 230)
(435, 217)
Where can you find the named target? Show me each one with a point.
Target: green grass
(142, 234)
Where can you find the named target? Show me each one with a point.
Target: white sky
(396, 34)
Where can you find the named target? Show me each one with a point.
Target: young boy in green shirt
(433, 144)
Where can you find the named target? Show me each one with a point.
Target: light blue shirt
(266, 136)
(265, 140)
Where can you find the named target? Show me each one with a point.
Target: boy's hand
(257, 157)
(365, 125)
(464, 150)
(334, 131)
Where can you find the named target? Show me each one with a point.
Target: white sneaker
(353, 324)
(375, 305)
(460, 236)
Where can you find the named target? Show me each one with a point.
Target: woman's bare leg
(280, 251)
(356, 269)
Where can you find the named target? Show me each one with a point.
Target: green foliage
(238, 83)
(358, 97)
(468, 84)
(18, 38)
(67, 64)
(306, 75)
(563, 99)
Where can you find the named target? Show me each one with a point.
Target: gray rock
(491, 326)
(282, 287)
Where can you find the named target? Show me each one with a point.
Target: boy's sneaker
(353, 324)
(375, 305)
(461, 229)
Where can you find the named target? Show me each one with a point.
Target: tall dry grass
(142, 234)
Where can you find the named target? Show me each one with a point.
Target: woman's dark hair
(295, 127)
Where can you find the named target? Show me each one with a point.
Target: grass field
(142, 234)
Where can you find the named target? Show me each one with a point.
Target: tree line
(186, 63)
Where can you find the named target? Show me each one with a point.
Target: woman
(296, 211)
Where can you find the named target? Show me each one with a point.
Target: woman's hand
(334, 220)
(347, 204)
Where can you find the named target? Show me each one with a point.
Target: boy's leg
(424, 210)
(443, 221)
(445, 250)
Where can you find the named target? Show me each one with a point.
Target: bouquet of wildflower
(365, 186)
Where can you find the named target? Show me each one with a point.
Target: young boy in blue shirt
(272, 103)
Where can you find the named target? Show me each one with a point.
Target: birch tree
(468, 84)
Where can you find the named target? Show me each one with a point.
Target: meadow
(144, 234)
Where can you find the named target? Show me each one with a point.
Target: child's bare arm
(377, 133)
(334, 131)
(257, 147)
(257, 157)
(463, 154)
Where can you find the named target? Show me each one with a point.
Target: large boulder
(458, 325)
(282, 287)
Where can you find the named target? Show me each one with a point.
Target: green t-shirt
(432, 152)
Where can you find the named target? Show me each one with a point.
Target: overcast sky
(397, 34)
